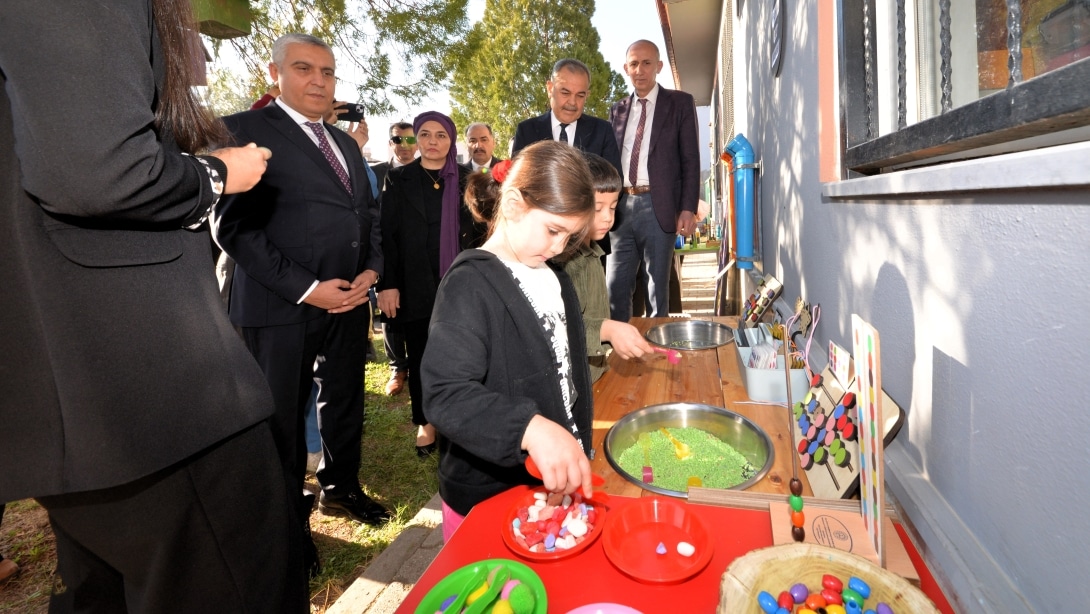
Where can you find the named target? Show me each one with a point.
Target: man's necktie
(327, 151)
(634, 163)
(564, 133)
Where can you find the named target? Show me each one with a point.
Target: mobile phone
(353, 114)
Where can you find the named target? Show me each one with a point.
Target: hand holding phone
(348, 112)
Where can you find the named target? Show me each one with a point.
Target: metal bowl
(746, 437)
(691, 335)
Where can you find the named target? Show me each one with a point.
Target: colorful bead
(832, 597)
(767, 602)
(798, 519)
(835, 608)
(883, 609)
(798, 534)
(815, 601)
(859, 586)
(796, 487)
(831, 582)
(796, 502)
(786, 601)
(851, 596)
(799, 592)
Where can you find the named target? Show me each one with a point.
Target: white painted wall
(982, 302)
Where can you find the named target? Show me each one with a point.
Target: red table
(589, 577)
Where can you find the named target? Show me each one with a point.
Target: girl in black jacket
(500, 382)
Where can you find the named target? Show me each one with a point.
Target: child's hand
(626, 340)
(563, 464)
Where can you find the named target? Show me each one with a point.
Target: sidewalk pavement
(383, 585)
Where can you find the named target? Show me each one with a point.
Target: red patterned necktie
(327, 151)
(634, 163)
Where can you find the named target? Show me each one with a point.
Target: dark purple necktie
(327, 151)
(634, 163)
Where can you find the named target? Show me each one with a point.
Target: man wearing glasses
(403, 144)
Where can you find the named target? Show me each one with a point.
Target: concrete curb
(383, 585)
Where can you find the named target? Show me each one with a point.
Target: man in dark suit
(128, 405)
(307, 247)
(481, 142)
(657, 134)
(403, 143)
(565, 122)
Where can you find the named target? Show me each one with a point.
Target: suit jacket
(298, 225)
(592, 135)
(116, 359)
(469, 165)
(381, 169)
(673, 162)
(409, 268)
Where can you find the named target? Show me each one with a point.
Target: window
(926, 81)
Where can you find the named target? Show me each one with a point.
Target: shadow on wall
(892, 314)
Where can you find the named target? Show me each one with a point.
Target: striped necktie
(634, 163)
(327, 151)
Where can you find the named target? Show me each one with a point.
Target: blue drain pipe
(745, 169)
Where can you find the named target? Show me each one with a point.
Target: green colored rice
(715, 462)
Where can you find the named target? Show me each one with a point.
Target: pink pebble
(506, 591)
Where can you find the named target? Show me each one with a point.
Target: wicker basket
(777, 568)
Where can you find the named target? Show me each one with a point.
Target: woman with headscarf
(425, 223)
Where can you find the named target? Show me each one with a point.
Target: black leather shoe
(426, 450)
(355, 505)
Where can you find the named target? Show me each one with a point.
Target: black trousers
(288, 355)
(214, 533)
(416, 339)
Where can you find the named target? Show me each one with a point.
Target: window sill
(1063, 166)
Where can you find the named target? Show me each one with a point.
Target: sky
(619, 22)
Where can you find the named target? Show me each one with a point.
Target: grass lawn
(391, 473)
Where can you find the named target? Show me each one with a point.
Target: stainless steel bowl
(690, 335)
(749, 439)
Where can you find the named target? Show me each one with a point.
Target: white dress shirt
(634, 111)
(570, 129)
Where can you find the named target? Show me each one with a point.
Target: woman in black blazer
(425, 223)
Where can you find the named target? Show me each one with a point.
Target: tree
(363, 34)
(501, 68)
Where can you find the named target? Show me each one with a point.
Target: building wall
(980, 299)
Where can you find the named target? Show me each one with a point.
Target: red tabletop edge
(590, 577)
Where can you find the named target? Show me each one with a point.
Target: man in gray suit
(657, 134)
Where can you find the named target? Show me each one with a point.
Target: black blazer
(592, 135)
(298, 225)
(404, 240)
(116, 359)
(469, 165)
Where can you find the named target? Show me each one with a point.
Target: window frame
(1024, 109)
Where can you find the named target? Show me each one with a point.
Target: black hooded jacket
(488, 369)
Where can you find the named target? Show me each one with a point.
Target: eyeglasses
(408, 140)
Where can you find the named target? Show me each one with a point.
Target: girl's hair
(603, 174)
(551, 176)
(179, 111)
